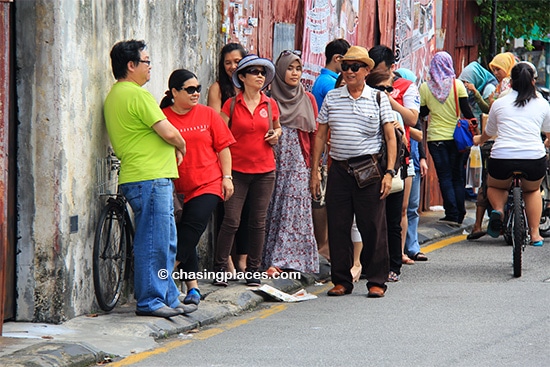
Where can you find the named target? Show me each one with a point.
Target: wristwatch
(391, 172)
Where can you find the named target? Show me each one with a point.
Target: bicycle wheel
(109, 259)
(519, 229)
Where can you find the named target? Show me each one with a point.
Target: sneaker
(193, 297)
(495, 224)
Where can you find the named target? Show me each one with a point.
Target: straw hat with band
(253, 60)
(358, 53)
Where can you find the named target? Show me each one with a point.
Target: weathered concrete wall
(63, 77)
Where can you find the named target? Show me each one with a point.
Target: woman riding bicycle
(517, 120)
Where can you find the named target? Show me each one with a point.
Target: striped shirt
(355, 124)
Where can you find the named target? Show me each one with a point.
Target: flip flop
(419, 257)
(475, 235)
(538, 243)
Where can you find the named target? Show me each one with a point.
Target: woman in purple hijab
(437, 99)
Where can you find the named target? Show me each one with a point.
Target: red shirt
(251, 153)
(206, 134)
(400, 86)
(307, 139)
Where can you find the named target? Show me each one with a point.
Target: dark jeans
(194, 219)
(482, 192)
(257, 190)
(344, 199)
(394, 204)
(448, 162)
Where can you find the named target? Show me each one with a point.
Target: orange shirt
(251, 153)
(206, 134)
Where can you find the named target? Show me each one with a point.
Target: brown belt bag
(365, 169)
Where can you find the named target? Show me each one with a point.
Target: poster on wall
(414, 35)
(324, 21)
(241, 23)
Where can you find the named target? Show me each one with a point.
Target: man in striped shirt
(358, 122)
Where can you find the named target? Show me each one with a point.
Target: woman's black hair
(376, 77)
(523, 77)
(226, 84)
(176, 81)
(338, 82)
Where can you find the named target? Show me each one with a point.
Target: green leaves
(529, 19)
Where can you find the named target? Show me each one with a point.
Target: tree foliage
(514, 19)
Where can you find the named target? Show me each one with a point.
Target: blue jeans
(412, 247)
(155, 243)
(449, 165)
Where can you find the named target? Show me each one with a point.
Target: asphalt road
(461, 308)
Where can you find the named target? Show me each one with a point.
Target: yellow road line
(201, 335)
(208, 333)
(443, 243)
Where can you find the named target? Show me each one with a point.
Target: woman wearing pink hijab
(437, 99)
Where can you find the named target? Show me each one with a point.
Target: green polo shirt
(130, 112)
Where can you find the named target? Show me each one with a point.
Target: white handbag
(397, 183)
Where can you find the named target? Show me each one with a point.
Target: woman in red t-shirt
(248, 115)
(205, 173)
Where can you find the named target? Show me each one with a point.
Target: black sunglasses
(354, 67)
(148, 62)
(193, 90)
(383, 88)
(256, 72)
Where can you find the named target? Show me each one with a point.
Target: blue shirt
(324, 82)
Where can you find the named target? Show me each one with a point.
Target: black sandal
(419, 257)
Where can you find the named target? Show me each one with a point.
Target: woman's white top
(517, 129)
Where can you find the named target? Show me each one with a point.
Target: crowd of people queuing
(298, 176)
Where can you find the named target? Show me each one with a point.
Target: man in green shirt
(149, 148)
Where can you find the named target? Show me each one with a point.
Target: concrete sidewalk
(88, 339)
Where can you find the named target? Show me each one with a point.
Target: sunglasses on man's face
(193, 90)
(256, 72)
(384, 88)
(354, 67)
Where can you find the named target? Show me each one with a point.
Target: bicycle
(112, 253)
(544, 225)
(516, 228)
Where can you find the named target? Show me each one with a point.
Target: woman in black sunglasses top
(290, 240)
(253, 119)
(205, 173)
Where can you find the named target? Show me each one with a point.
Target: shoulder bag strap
(270, 114)
(456, 99)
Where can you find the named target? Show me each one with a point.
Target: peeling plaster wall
(63, 76)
